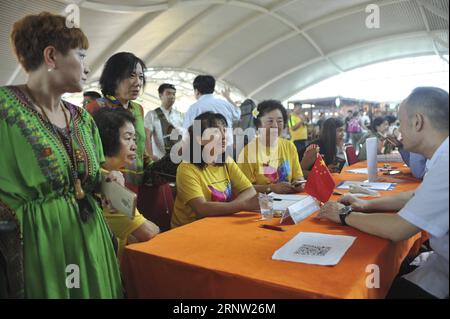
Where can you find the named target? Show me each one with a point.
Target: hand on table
(282, 188)
(330, 211)
(356, 203)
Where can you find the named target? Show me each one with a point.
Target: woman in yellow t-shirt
(116, 128)
(208, 182)
(269, 161)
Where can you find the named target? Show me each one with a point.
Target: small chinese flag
(320, 183)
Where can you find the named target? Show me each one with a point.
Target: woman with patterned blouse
(50, 161)
(121, 82)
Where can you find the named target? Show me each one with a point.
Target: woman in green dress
(50, 159)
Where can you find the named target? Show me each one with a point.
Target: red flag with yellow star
(320, 183)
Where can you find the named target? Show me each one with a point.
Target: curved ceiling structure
(265, 48)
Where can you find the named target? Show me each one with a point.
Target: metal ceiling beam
(427, 26)
(18, 68)
(318, 22)
(237, 28)
(434, 10)
(158, 50)
(122, 39)
(118, 8)
(339, 51)
(407, 55)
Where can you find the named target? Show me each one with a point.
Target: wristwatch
(343, 213)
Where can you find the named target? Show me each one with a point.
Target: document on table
(315, 249)
(358, 171)
(374, 186)
(393, 157)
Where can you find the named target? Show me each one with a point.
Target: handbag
(11, 255)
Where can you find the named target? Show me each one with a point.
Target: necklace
(79, 192)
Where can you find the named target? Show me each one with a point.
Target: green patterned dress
(64, 256)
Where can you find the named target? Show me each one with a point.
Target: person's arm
(247, 200)
(388, 226)
(280, 188)
(145, 232)
(309, 158)
(148, 144)
(391, 203)
(226, 94)
(148, 129)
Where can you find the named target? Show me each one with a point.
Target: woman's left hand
(298, 188)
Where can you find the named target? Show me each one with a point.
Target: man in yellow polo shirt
(298, 128)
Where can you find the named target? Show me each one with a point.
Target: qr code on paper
(311, 250)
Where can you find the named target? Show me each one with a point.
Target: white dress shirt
(429, 211)
(208, 103)
(153, 123)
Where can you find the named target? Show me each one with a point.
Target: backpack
(354, 126)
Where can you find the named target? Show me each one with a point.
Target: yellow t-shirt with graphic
(216, 183)
(299, 134)
(263, 165)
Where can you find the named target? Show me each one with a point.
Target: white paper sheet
(358, 171)
(374, 186)
(393, 157)
(315, 248)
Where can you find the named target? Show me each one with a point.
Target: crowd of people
(56, 154)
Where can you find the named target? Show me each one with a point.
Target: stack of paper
(315, 248)
(358, 171)
(393, 157)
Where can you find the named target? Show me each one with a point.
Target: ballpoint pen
(273, 227)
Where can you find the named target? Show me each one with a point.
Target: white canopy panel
(264, 48)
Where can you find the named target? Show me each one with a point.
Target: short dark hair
(205, 84)
(119, 67)
(164, 87)
(207, 120)
(377, 122)
(433, 102)
(92, 94)
(268, 106)
(109, 121)
(391, 119)
(328, 138)
(33, 33)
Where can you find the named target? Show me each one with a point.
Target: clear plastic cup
(266, 206)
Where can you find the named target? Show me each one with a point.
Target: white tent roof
(265, 48)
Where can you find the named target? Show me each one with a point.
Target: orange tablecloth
(230, 257)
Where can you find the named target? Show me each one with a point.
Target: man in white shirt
(160, 123)
(424, 126)
(204, 86)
